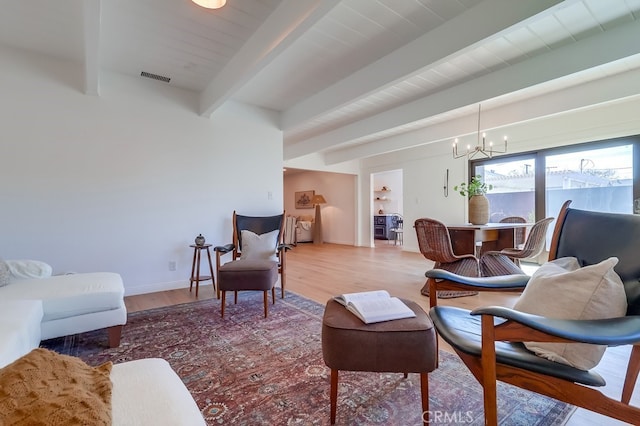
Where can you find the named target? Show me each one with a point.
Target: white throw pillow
(25, 269)
(562, 289)
(261, 246)
(5, 273)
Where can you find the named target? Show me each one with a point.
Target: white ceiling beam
(461, 33)
(287, 22)
(91, 33)
(590, 52)
(596, 92)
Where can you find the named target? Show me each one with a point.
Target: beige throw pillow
(562, 289)
(27, 269)
(261, 246)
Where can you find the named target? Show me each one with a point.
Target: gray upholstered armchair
(490, 340)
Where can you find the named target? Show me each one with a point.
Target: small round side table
(195, 267)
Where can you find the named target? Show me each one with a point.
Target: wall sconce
(317, 225)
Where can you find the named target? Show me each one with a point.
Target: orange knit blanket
(46, 388)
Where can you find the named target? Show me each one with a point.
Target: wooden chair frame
(514, 326)
(235, 248)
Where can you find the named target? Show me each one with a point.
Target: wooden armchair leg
(433, 301)
(218, 274)
(224, 294)
(433, 292)
(273, 295)
(488, 361)
(266, 302)
(235, 297)
(632, 374)
(114, 333)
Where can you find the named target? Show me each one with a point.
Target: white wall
(338, 215)
(125, 181)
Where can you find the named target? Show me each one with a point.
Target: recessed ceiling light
(210, 4)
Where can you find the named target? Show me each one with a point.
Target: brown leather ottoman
(248, 274)
(398, 346)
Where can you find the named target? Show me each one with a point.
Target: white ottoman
(149, 392)
(19, 328)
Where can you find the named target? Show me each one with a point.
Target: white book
(375, 306)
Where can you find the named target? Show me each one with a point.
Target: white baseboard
(153, 288)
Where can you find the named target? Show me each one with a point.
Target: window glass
(593, 179)
(512, 190)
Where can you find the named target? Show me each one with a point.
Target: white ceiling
(347, 75)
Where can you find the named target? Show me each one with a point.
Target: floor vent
(155, 76)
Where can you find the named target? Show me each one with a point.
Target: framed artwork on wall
(303, 199)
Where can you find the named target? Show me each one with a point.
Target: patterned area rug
(248, 370)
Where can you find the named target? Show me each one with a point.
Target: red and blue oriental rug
(248, 370)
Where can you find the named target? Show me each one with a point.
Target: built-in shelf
(381, 198)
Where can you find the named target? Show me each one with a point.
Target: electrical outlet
(172, 265)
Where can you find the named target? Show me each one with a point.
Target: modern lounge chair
(490, 340)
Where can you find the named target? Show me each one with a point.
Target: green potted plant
(475, 190)
(475, 187)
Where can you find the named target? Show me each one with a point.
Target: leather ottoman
(397, 346)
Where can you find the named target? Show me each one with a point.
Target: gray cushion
(248, 275)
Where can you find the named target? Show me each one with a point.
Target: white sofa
(19, 328)
(145, 391)
(71, 304)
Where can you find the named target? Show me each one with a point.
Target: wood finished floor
(319, 272)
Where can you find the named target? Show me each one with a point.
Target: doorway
(387, 208)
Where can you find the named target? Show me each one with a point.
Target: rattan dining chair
(434, 242)
(520, 233)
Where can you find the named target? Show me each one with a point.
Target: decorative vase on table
(200, 240)
(478, 202)
(478, 210)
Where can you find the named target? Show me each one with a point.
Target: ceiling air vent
(155, 76)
